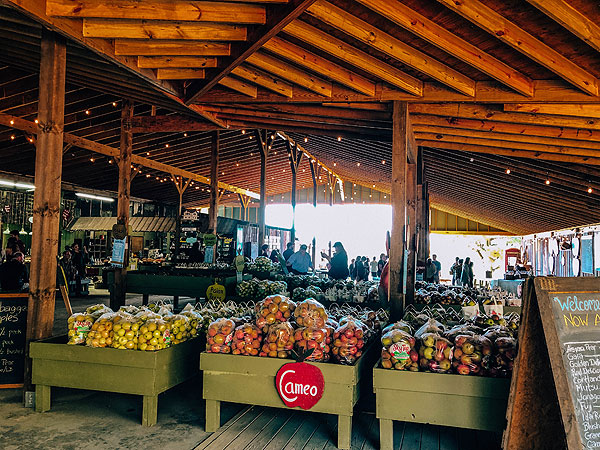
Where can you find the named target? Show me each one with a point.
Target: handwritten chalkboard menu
(555, 390)
(13, 326)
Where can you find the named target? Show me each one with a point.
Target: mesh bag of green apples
(399, 351)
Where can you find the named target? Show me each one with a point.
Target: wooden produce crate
(111, 370)
(251, 380)
(441, 399)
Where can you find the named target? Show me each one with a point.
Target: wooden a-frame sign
(554, 400)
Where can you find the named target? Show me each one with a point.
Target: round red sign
(300, 384)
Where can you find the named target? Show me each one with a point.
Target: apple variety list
(13, 323)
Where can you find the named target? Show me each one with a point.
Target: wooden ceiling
(508, 84)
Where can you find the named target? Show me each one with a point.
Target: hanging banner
(300, 384)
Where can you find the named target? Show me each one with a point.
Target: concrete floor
(98, 420)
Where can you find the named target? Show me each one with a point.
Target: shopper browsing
(438, 269)
(374, 266)
(13, 273)
(300, 262)
(338, 263)
(289, 251)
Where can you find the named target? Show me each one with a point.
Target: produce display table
(111, 370)
(440, 399)
(251, 380)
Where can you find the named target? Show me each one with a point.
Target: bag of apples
(348, 341)
(399, 351)
(273, 309)
(219, 336)
(279, 341)
(500, 362)
(125, 331)
(155, 334)
(100, 335)
(312, 338)
(310, 313)
(468, 353)
(247, 340)
(195, 319)
(180, 328)
(435, 353)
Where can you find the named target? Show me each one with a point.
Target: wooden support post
(46, 199)
(244, 202)
(398, 242)
(426, 212)
(411, 214)
(331, 181)
(263, 147)
(313, 172)
(181, 187)
(295, 159)
(117, 297)
(214, 183)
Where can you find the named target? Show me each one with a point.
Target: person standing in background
(466, 277)
(429, 271)
(453, 271)
(300, 262)
(14, 244)
(264, 251)
(289, 251)
(351, 269)
(338, 263)
(438, 269)
(358, 268)
(381, 264)
(374, 267)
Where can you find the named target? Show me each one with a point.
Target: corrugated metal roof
(138, 224)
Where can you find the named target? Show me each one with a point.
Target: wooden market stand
(459, 105)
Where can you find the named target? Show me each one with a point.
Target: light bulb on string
(590, 190)
(507, 171)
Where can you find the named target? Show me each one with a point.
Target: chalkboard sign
(13, 327)
(555, 391)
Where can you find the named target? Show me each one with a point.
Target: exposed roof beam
(188, 62)
(562, 109)
(168, 124)
(77, 141)
(127, 47)
(239, 86)
(355, 57)
(180, 74)
(547, 91)
(309, 154)
(491, 125)
(578, 24)
(497, 25)
(368, 34)
(103, 47)
(499, 150)
(263, 79)
(159, 10)
(320, 65)
(276, 21)
(290, 73)
(487, 113)
(155, 29)
(440, 37)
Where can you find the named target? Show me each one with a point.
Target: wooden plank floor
(259, 428)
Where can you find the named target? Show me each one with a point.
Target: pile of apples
(435, 353)
(101, 334)
(273, 309)
(469, 352)
(247, 340)
(219, 336)
(180, 327)
(124, 332)
(348, 341)
(312, 338)
(310, 313)
(279, 341)
(399, 351)
(155, 334)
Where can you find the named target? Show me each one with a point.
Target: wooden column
(331, 180)
(117, 297)
(295, 159)
(411, 214)
(421, 222)
(214, 183)
(181, 187)
(398, 244)
(313, 172)
(245, 203)
(263, 147)
(46, 199)
(426, 213)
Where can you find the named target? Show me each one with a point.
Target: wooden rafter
(290, 73)
(256, 38)
(569, 17)
(77, 141)
(320, 65)
(188, 62)
(577, 110)
(368, 34)
(357, 58)
(500, 27)
(239, 86)
(440, 37)
(263, 79)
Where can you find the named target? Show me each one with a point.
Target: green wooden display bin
(111, 370)
(251, 380)
(441, 399)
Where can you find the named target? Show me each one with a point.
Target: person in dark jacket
(264, 251)
(14, 245)
(338, 263)
(289, 251)
(13, 273)
(466, 278)
(79, 264)
(196, 255)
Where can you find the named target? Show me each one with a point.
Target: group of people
(73, 263)
(299, 262)
(13, 272)
(462, 272)
(360, 267)
(432, 269)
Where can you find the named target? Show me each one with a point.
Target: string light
(184, 134)
(357, 164)
(12, 137)
(167, 145)
(305, 139)
(147, 175)
(92, 159)
(251, 137)
(507, 171)
(547, 182)
(471, 159)
(590, 190)
(31, 140)
(87, 112)
(36, 121)
(383, 161)
(339, 139)
(114, 103)
(243, 131)
(147, 153)
(110, 161)
(334, 164)
(12, 122)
